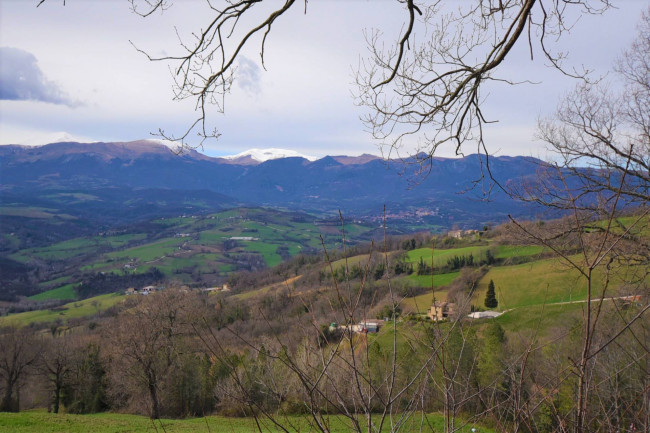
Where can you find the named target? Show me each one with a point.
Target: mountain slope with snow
(263, 155)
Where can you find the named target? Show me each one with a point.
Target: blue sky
(73, 69)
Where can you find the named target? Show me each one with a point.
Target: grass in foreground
(43, 422)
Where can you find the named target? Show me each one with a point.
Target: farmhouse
(441, 310)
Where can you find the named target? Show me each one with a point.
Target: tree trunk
(581, 410)
(7, 405)
(57, 397)
(153, 393)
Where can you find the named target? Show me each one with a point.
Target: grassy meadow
(72, 310)
(43, 422)
(64, 293)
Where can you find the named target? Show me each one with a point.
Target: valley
(197, 250)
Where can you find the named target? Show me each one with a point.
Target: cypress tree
(490, 297)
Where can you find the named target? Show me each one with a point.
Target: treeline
(456, 263)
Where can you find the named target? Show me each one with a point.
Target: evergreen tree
(489, 257)
(490, 297)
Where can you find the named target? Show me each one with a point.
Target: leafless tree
(145, 344)
(602, 171)
(56, 365)
(19, 352)
(430, 85)
(601, 134)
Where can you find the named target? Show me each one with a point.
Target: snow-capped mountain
(262, 155)
(42, 139)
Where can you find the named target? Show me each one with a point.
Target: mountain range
(103, 184)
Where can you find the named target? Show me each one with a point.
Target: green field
(43, 422)
(268, 250)
(151, 251)
(75, 247)
(64, 292)
(509, 251)
(542, 317)
(438, 280)
(72, 310)
(541, 282)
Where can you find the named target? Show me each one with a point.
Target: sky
(74, 69)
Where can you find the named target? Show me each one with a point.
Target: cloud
(248, 75)
(21, 79)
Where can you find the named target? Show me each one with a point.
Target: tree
(18, 353)
(146, 344)
(56, 364)
(600, 135)
(490, 296)
(85, 389)
(602, 178)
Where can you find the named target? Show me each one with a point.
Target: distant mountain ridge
(358, 186)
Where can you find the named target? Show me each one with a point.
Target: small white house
(484, 314)
(368, 326)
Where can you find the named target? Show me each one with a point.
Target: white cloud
(21, 79)
(248, 75)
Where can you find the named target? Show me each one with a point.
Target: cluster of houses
(439, 311)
